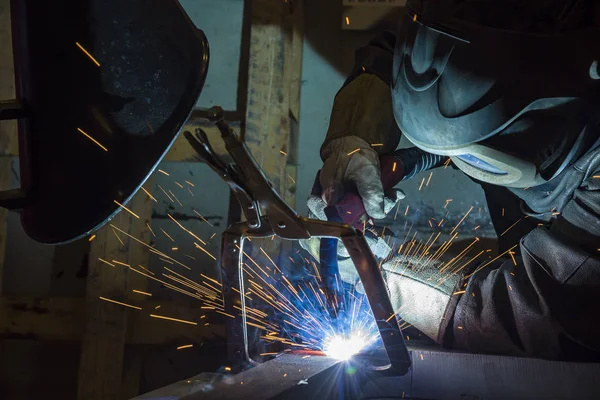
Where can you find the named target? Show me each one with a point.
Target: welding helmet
(512, 102)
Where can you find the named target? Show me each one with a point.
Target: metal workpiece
(379, 301)
(268, 214)
(436, 374)
(233, 287)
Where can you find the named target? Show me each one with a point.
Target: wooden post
(274, 78)
(101, 365)
(8, 129)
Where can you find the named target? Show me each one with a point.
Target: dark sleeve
(377, 58)
(363, 106)
(546, 302)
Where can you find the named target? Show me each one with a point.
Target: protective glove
(362, 116)
(352, 164)
(348, 273)
(420, 294)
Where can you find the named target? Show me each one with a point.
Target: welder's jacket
(548, 304)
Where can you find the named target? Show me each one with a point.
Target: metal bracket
(252, 188)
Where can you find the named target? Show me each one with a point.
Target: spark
(428, 179)
(148, 225)
(354, 151)
(145, 269)
(87, 54)
(477, 227)
(174, 248)
(91, 238)
(92, 139)
(224, 313)
(375, 144)
(211, 279)
(421, 355)
(283, 153)
(122, 244)
(421, 185)
(121, 263)
(513, 257)
(175, 197)
(204, 219)
(414, 20)
(126, 209)
(179, 184)
(488, 263)
(272, 262)
(173, 319)
(187, 230)
(169, 236)
(461, 221)
(188, 189)
(394, 167)
(163, 172)
(459, 292)
(118, 302)
(106, 262)
(163, 190)
(343, 348)
(149, 247)
(186, 346)
(448, 202)
(206, 251)
(510, 227)
(347, 21)
(270, 354)
(148, 194)
(503, 211)
(406, 212)
(292, 179)
(140, 292)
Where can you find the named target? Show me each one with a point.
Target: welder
(510, 91)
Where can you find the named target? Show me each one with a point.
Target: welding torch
(401, 165)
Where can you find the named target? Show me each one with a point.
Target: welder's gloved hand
(420, 294)
(352, 163)
(362, 116)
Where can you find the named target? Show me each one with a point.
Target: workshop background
(43, 288)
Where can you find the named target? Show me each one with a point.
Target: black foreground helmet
(512, 100)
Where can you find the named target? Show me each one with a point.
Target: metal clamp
(254, 192)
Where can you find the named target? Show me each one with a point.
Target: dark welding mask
(512, 105)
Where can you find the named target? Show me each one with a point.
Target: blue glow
(480, 164)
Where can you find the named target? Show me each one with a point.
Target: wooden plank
(100, 370)
(62, 319)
